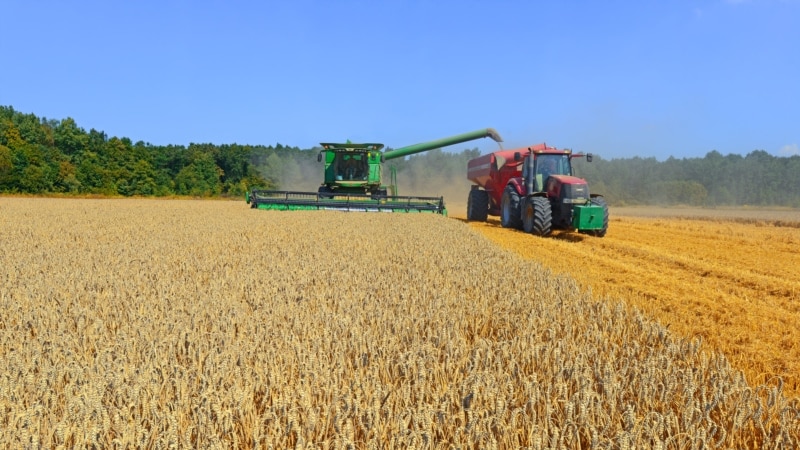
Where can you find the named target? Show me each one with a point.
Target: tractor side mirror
(589, 157)
(517, 156)
(319, 157)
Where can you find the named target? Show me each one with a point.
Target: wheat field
(205, 324)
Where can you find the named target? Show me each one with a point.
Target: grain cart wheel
(478, 205)
(539, 216)
(509, 209)
(600, 201)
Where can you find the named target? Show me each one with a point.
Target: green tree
(6, 168)
(142, 180)
(70, 139)
(32, 173)
(93, 177)
(67, 178)
(200, 178)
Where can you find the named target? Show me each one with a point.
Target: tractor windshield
(547, 165)
(351, 166)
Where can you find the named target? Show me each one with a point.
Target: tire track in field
(733, 284)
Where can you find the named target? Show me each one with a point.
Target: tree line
(757, 179)
(45, 156)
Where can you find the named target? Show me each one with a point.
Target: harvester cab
(535, 189)
(352, 179)
(351, 168)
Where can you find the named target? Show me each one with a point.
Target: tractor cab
(545, 165)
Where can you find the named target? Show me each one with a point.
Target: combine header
(287, 200)
(352, 180)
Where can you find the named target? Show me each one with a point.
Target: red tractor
(534, 189)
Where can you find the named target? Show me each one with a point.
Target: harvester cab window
(351, 167)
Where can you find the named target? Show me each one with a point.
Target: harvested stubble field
(729, 278)
(204, 324)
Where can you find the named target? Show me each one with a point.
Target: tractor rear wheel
(537, 216)
(478, 205)
(600, 201)
(509, 208)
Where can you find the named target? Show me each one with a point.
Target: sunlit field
(745, 214)
(726, 278)
(205, 324)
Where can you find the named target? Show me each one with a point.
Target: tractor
(535, 189)
(352, 180)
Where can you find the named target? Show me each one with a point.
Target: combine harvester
(353, 180)
(534, 189)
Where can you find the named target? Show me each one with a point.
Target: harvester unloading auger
(353, 180)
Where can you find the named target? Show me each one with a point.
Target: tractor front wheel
(478, 205)
(509, 208)
(537, 216)
(527, 215)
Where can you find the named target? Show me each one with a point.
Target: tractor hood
(568, 179)
(567, 188)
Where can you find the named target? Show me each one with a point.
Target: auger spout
(444, 142)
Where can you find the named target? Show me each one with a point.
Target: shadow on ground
(567, 236)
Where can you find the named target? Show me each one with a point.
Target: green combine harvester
(353, 180)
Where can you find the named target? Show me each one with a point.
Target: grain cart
(534, 189)
(352, 180)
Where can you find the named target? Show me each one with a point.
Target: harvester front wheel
(478, 205)
(537, 216)
(325, 192)
(380, 194)
(509, 208)
(600, 201)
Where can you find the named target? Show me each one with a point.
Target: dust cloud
(452, 187)
(306, 175)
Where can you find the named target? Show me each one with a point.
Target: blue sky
(616, 78)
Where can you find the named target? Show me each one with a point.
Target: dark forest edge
(40, 156)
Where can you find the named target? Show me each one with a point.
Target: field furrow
(734, 283)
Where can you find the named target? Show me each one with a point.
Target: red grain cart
(534, 189)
